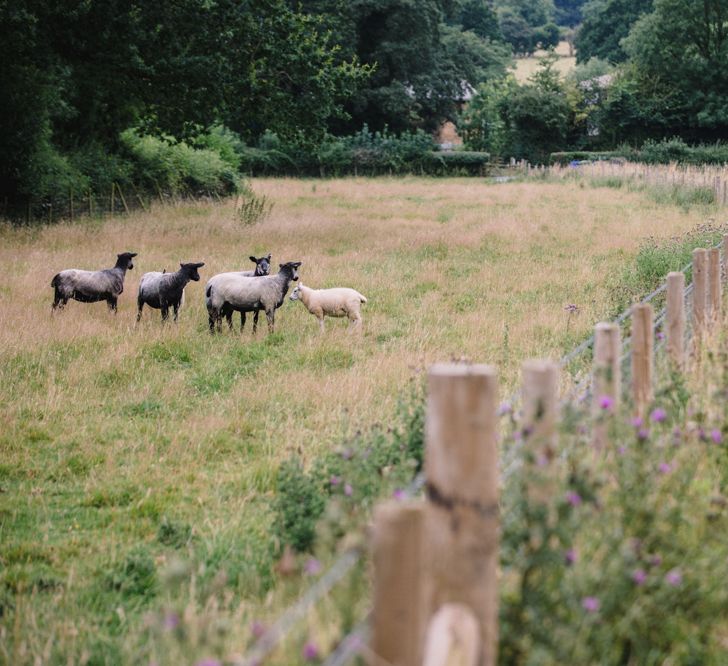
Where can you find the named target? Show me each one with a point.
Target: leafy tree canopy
(606, 23)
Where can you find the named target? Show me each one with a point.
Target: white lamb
(336, 302)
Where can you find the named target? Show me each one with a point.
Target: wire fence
(354, 643)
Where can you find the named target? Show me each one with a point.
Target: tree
(479, 17)
(606, 23)
(516, 31)
(680, 58)
(568, 12)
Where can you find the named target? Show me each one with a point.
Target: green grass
(139, 466)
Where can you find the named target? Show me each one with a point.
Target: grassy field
(118, 440)
(527, 67)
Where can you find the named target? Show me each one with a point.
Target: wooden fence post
(461, 462)
(700, 290)
(113, 192)
(399, 617)
(642, 356)
(607, 377)
(676, 317)
(540, 402)
(452, 638)
(70, 204)
(714, 290)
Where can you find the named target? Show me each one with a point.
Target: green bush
(566, 157)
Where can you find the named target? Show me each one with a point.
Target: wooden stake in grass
(700, 291)
(540, 396)
(714, 286)
(642, 356)
(676, 317)
(399, 618)
(462, 490)
(607, 379)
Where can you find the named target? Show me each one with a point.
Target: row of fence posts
(436, 562)
(89, 204)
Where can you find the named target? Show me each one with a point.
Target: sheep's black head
(262, 265)
(191, 270)
(124, 260)
(291, 267)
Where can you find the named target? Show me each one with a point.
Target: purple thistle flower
(655, 560)
(570, 556)
(399, 494)
(335, 480)
(348, 490)
(658, 415)
(312, 566)
(310, 651)
(636, 422)
(504, 408)
(716, 436)
(701, 435)
(639, 576)
(591, 604)
(665, 468)
(673, 577)
(541, 460)
(257, 628)
(171, 621)
(660, 335)
(573, 498)
(606, 402)
(643, 434)
(622, 450)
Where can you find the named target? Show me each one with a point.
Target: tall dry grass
(109, 428)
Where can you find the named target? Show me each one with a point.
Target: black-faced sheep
(237, 293)
(164, 290)
(262, 267)
(336, 302)
(92, 286)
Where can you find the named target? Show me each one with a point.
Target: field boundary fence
(622, 369)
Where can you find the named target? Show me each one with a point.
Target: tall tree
(568, 12)
(680, 55)
(606, 23)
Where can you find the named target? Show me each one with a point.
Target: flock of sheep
(225, 293)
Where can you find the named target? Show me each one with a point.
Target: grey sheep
(237, 293)
(92, 286)
(164, 290)
(262, 267)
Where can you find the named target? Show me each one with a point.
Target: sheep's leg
(140, 306)
(255, 321)
(242, 322)
(165, 312)
(111, 302)
(270, 315)
(211, 323)
(229, 318)
(321, 323)
(175, 308)
(354, 320)
(59, 301)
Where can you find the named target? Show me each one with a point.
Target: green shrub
(299, 503)
(565, 158)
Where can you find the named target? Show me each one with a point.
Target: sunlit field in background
(109, 429)
(527, 67)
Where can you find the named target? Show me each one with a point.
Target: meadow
(119, 441)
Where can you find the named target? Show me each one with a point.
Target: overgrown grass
(126, 445)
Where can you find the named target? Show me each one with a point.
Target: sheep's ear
(280, 265)
(268, 256)
(253, 259)
(181, 265)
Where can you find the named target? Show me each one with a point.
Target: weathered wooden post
(642, 356)
(714, 286)
(70, 204)
(700, 291)
(607, 378)
(461, 466)
(400, 614)
(453, 638)
(675, 328)
(540, 401)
